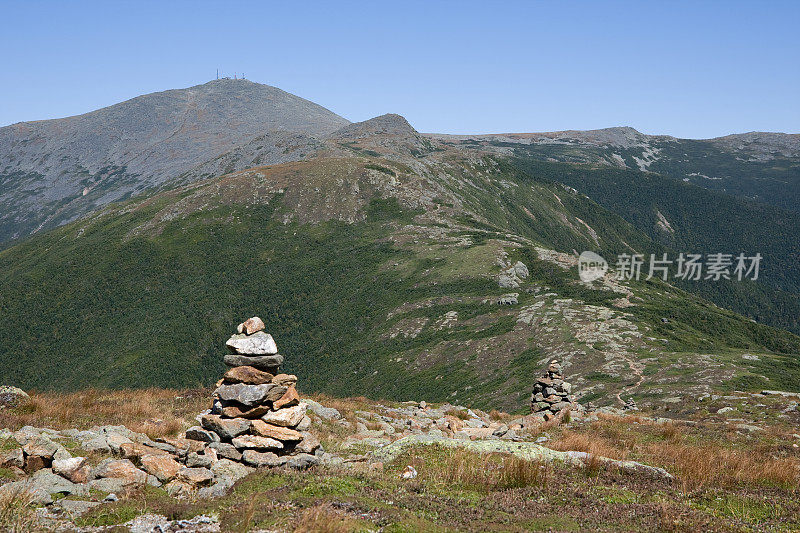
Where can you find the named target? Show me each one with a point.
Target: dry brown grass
(17, 512)
(713, 465)
(324, 518)
(457, 413)
(157, 412)
(499, 416)
(482, 471)
(593, 444)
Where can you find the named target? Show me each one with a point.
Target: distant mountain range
(386, 258)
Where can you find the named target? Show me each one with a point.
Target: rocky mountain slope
(53, 171)
(760, 166)
(393, 266)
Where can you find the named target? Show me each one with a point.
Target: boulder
(204, 460)
(73, 469)
(263, 429)
(226, 451)
(251, 325)
(309, 444)
(197, 477)
(135, 451)
(12, 458)
(179, 489)
(225, 428)
(163, 467)
(287, 417)
(302, 461)
(261, 459)
(110, 484)
(122, 469)
(285, 379)
(255, 442)
(327, 413)
(256, 344)
(52, 483)
(12, 396)
(236, 411)
(248, 395)
(267, 363)
(248, 375)
(229, 471)
(199, 434)
(288, 399)
(41, 447)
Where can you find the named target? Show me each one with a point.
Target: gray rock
(302, 461)
(249, 395)
(256, 344)
(226, 451)
(12, 396)
(196, 459)
(52, 483)
(217, 490)
(202, 435)
(328, 413)
(75, 508)
(12, 458)
(261, 459)
(108, 484)
(230, 471)
(227, 428)
(725, 410)
(520, 270)
(267, 363)
(38, 496)
(305, 423)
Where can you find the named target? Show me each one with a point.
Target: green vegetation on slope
(703, 222)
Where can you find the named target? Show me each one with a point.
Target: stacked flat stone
(551, 394)
(257, 417)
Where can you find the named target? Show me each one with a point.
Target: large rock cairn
(551, 394)
(257, 417)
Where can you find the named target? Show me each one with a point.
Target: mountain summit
(54, 171)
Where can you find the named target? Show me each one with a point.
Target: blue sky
(689, 69)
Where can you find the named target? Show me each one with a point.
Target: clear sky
(690, 69)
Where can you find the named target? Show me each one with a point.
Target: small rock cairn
(257, 417)
(551, 394)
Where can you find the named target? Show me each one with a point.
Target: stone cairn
(257, 417)
(551, 394)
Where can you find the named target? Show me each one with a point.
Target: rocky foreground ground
(400, 467)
